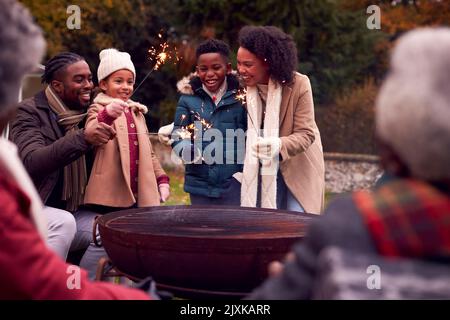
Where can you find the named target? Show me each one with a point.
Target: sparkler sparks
(205, 124)
(161, 54)
(189, 131)
(241, 95)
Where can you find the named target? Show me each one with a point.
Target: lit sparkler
(241, 95)
(160, 55)
(204, 123)
(189, 131)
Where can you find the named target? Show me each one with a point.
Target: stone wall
(343, 172)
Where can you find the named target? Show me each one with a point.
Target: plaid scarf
(407, 218)
(75, 175)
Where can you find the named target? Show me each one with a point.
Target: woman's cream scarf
(269, 169)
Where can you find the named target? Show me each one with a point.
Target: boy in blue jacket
(210, 123)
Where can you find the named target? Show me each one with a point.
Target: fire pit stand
(106, 270)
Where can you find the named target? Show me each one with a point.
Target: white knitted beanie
(112, 60)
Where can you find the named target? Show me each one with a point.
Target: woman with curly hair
(284, 166)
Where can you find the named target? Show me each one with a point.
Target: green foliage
(335, 47)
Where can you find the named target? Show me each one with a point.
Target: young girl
(126, 172)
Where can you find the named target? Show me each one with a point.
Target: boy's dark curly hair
(272, 45)
(213, 46)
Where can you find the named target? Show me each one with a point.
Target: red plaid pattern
(407, 218)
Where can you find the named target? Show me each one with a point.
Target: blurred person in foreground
(408, 217)
(28, 269)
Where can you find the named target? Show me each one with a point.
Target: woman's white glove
(164, 191)
(164, 134)
(266, 148)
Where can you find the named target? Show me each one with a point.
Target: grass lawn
(177, 194)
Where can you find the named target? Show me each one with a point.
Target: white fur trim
(184, 87)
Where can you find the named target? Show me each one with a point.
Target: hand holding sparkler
(115, 109)
(164, 134)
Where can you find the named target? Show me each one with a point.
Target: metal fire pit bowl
(201, 248)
